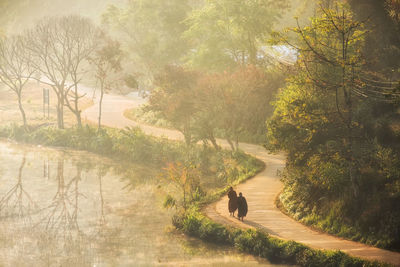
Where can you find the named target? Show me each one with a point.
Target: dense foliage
(229, 105)
(342, 173)
(230, 33)
(383, 44)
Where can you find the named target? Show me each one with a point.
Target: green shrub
(214, 232)
(129, 144)
(191, 224)
(259, 243)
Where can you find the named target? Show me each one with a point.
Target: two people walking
(237, 203)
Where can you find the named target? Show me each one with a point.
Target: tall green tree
(330, 66)
(334, 126)
(228, 33)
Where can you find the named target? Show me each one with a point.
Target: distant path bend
(259, 191)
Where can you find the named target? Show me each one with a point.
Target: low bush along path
(259, 191)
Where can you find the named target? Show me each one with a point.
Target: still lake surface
(71, 208)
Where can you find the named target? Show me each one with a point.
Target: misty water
(70, 208)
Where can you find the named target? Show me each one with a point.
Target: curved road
(259, 191)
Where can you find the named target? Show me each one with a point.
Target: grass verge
(260, 243)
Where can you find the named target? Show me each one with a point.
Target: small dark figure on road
(242, 206)
(233, 204)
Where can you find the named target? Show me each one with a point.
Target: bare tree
(106, 61)
(85, 37)
(60, 46)
(48, 45)
(15, 67)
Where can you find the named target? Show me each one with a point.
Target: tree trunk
(60, 175)
(253, 56)
(78, 118)
(237, 142)
(188, 138)
(214, 142)
(230, 143)
(77, 111)
(100, 104)
(352, 162)
(252, 50)
(349, 122)
(22, 110)
(184, 198)
(60, 110)
(205, 142)
(75, 210)
(187, 134)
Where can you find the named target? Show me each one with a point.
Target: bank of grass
(131, 145)
(260, 243)
(330, 220)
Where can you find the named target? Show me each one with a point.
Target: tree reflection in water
(60, 219)
(53, 225)
(17, 201)
(61, 215)
(102, 220)
(85, 210)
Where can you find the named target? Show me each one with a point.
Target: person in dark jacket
(242, 206)
(232, 204)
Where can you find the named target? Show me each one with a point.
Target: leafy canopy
(227, 33)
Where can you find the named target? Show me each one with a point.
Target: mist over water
(69, 208)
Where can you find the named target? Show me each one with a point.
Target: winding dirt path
(259, 191)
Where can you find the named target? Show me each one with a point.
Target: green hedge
(132, 145)
(218, 168)
(259, 243)
(129, 144)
